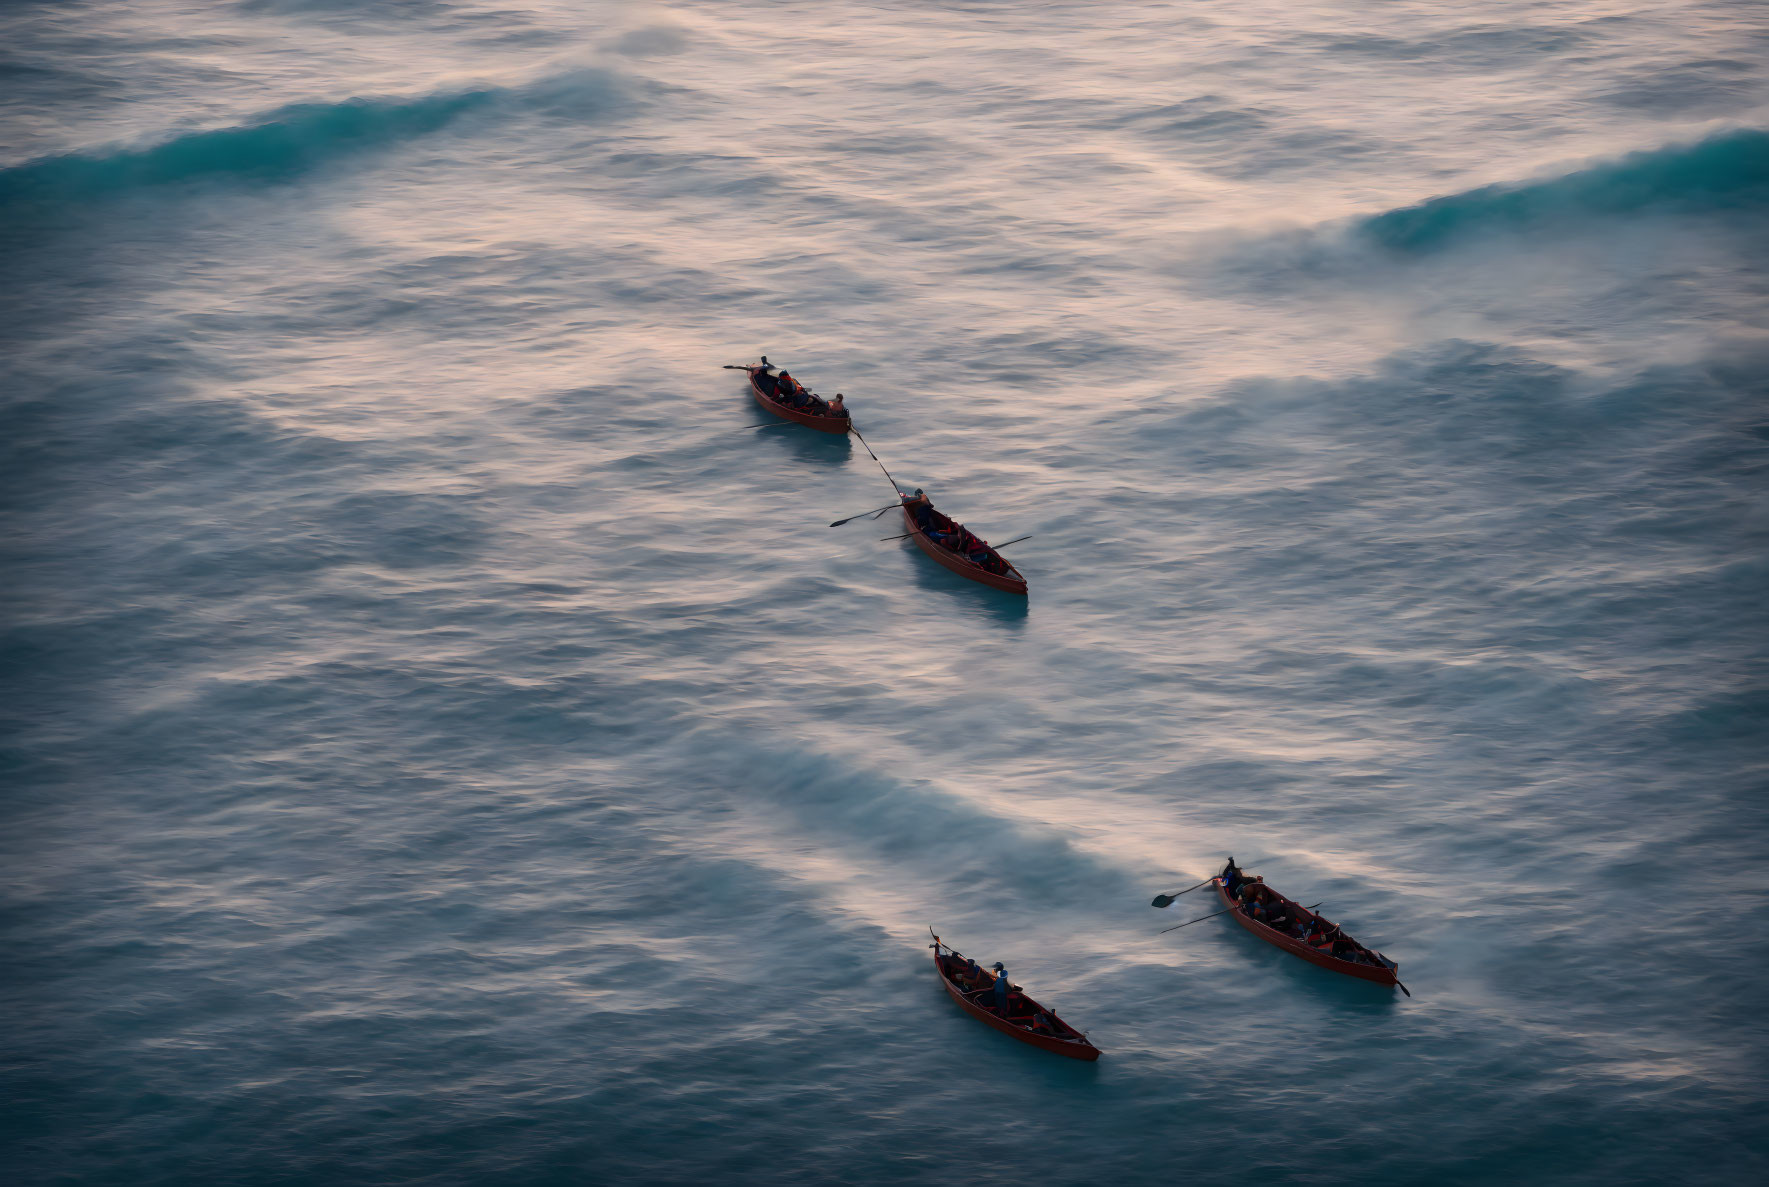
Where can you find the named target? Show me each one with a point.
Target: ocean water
(444, 743)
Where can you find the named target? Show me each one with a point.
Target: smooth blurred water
(444, 743)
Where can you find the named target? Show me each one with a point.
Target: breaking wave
(286, 142)
(1726, 172)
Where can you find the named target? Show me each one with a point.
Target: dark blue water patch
(1475, 49)
(1716, 85)
(1205, 119)
(1738, 720)
(1474, 404)
(1240, 142)
(1726, 173)
(356, 14)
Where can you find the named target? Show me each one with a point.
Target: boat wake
(959, 840)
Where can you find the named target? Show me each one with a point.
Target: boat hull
(1366, 972)
(823, 424)
(958, 564)
(1073, 1049)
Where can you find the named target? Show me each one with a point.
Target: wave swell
(1727, 172)
(284, 143)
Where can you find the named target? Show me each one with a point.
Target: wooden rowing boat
(1061, 1038)
(1011, 581)
(1385, 973)
(763, 386)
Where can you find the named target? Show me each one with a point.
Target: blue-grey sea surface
(443, 742)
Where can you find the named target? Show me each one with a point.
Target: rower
(919, 507)
(1002, 988)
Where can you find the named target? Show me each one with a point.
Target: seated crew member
(920, 509)
(1042, 1024)
(786, 387)
(836, 407)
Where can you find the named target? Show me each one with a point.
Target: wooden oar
(1189, 922)
(947, 947)
(1163, 900)
(992, 547)
(881, 465)
(1391, 965)
(864, 514)
(1201, 919)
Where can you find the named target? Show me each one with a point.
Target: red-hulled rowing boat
(1025, 1019)
(766, 386)
(1384, 972)
(995, 569)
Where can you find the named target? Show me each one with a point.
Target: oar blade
(875, 513)
(1162, 900)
